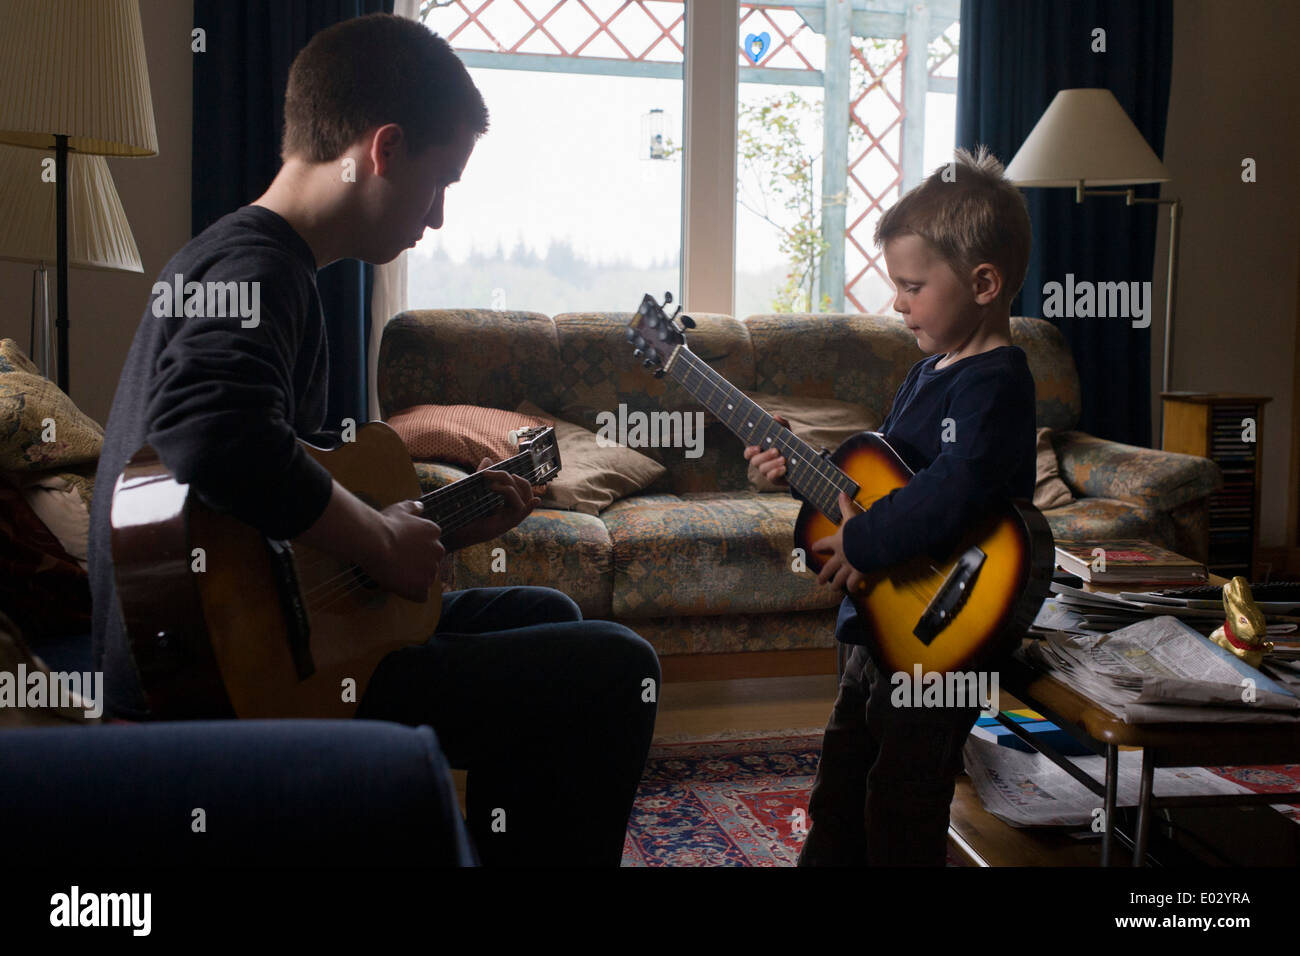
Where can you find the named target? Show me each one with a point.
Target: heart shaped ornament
(756, 45)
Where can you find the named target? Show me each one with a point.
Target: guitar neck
(456, 505)
(809, 473)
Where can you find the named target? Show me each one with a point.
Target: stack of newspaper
(1028, 790)
(1160, 670)
(1074, 609)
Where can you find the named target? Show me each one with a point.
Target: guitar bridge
(297, 624)
(951, 596)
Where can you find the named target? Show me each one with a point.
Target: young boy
(544, 709)
(963, 420)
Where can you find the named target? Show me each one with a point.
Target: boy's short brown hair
(372, 70)
(977, 216)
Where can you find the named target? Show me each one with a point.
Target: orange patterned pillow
(459, 434)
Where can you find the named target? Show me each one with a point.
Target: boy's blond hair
(979, 216)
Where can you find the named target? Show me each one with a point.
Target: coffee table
(1189, 744)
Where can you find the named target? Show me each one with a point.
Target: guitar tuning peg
(668, 298)
(687, 321)
(649, 363)
(637, 353)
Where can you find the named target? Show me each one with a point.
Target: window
(807, 203)
(572, 200)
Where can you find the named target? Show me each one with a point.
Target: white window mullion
(709, 131)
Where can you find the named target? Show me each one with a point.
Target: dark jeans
(543, 709)
(886, 776)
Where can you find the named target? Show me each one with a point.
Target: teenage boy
(956, 248)
(545, 710)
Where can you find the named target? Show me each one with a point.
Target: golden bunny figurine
(1243, 629)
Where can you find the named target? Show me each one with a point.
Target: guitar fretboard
(812, 475)
(456, 505)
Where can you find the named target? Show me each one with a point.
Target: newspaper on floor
(1028, 790)
(1155, 671)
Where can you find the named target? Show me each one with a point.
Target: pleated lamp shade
(98, 234)
(76, 68)
(1085, 135)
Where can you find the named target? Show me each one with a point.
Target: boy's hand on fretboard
(770, 463)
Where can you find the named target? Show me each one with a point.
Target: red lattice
(604, 27)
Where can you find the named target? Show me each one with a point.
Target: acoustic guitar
(225, 622)
(958, 613)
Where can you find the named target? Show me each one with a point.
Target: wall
(1236, 93)
(105, 307)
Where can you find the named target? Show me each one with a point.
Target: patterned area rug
(1278, 778)
(741, 799)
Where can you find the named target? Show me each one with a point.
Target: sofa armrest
(273, 793)
(1158, 480)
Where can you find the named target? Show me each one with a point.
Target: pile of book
(1127, 561)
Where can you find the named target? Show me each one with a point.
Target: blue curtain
(1015, 56)
(238, 120)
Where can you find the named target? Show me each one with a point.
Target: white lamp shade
(75, 68)
(98, 234)
(1085, 135)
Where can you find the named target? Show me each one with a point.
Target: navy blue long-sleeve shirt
(222, 401)
(984, 406)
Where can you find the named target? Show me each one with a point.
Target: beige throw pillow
(821, 422)
(592, 478)
(1050, 491)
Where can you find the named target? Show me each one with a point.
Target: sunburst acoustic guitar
(960, 612)
(224, 622)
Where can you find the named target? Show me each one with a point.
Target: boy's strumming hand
(837, 570)
(770, 463)
(408, 559)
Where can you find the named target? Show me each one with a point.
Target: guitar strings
(453, 495)
(325, 593)
(483, 507)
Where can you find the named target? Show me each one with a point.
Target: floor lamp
(99, 236)
(1086, 139)
(75, 81)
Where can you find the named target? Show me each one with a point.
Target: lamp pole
(1171, 282)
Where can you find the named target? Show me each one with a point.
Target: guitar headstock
(654, 335)
(540, 444)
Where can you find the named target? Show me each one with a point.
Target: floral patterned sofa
(700, 564)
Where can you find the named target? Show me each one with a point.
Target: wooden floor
(703, 708)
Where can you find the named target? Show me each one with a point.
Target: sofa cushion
(599, 372)
(1056, 380)
(592, 475)
(467, 357)
(1149, 478)
(1049, 490)
(1094, 519)
(821, 422)
(861, 359)
(709, 553)
(565, 550)
(29, 405)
